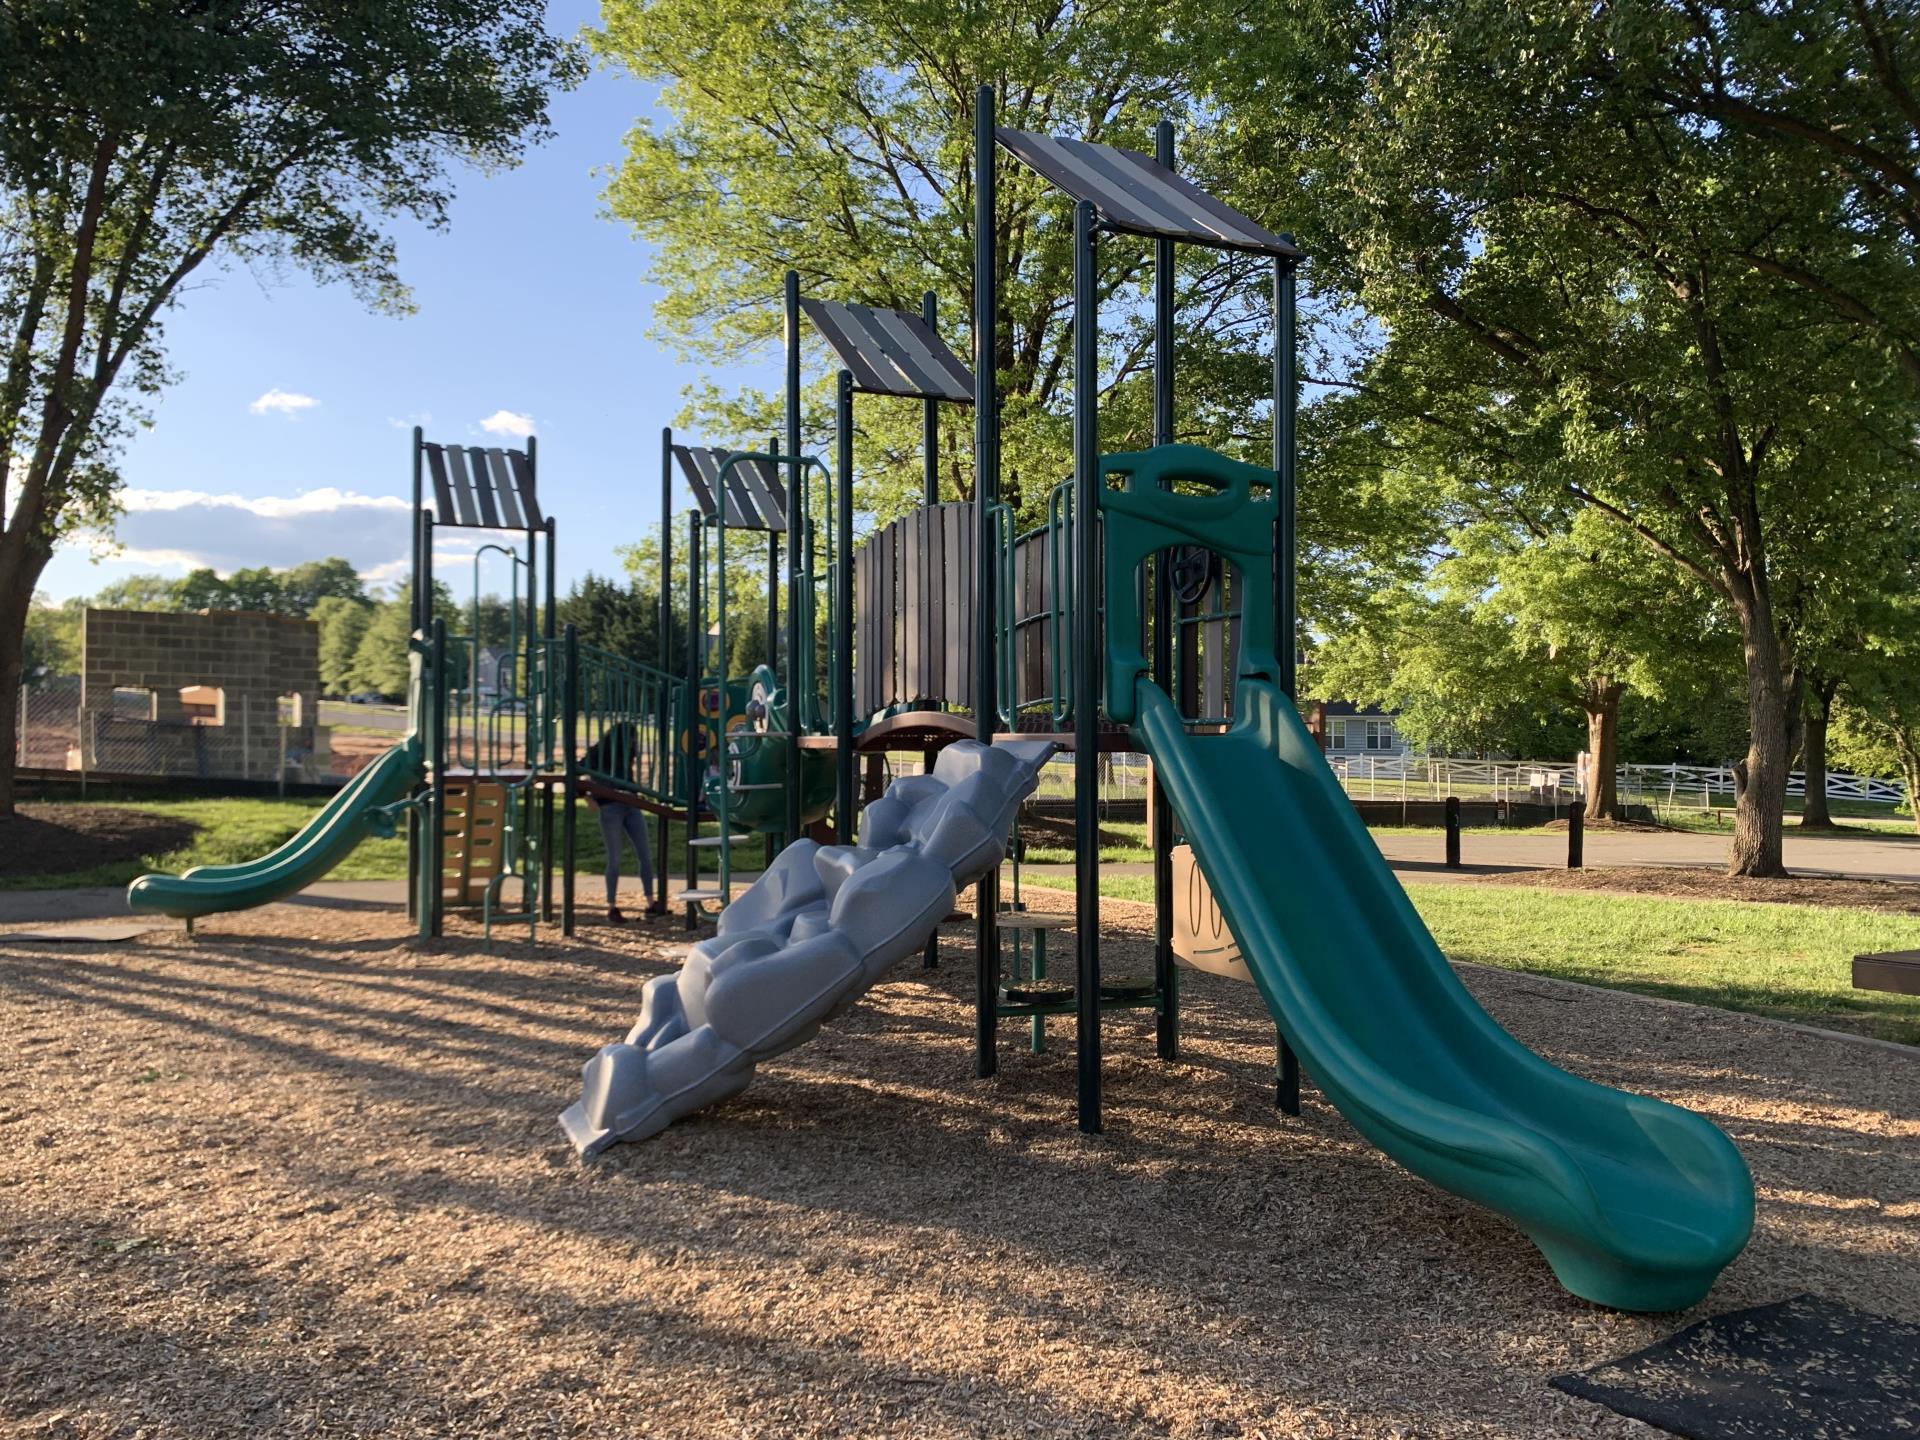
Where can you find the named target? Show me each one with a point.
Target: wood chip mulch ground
(62, 839)
(1689, 883)
(300, 1178)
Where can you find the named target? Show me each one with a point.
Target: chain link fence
(248, 738)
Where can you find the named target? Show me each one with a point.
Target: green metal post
(845, 819)
(1086, 660)
(986, 490)
(799, 634)
(1166, 974)
(570, 750)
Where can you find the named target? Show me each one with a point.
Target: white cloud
(424, 418)
(282, 402)
(185, 529)
(506, 422)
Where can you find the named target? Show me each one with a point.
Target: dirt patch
(61, 839)
(1690, 883)
(300, 1177)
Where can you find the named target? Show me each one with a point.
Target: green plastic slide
(321, 844)
(1635, 1203)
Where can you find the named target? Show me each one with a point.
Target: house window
(1380, 735)
(1337, 733)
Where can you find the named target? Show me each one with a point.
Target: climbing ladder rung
(738, 789)
(699, 897)
(709, 842)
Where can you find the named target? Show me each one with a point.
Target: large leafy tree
(1524, 220)
(834, 137)
(138, 140)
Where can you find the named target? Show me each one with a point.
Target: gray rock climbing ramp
(820, 927)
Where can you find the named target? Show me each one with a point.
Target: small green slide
(321, 844)
(1636, 1204)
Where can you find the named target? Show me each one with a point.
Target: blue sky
(530, 305)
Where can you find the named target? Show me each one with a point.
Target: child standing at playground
(620, 819)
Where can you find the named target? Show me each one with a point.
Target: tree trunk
(1602, 704)
(1814, 813)
(1760, 780)
(1907, 744)
(18, 575)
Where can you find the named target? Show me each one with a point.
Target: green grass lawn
(1849, 816)
(1790, 962)
(235, 830)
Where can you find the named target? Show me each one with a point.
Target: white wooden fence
(1396, 777)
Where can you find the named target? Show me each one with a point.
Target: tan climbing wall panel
(1200, 935)
(474, 840)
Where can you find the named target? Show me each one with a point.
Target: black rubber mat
(1804, 1367)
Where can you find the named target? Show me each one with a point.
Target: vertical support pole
(548, 696)
(664, 638)
(1086, 660)
(1453, 832)
(419, 443)
(1286, 1075)
(1166, 974)
(1286, 546)
(431, 915)
(1285, 397)
(569, 747)
(533, 605)
(696, 720)
(845, 823)
(796, 477)
(930, 496)
(1576, 834)
(986, 489)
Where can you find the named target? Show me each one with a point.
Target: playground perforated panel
(755, 498)
(890, 352)
(1135, 194)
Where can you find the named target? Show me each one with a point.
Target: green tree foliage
(381, 658)
(1571, 279)
(343, 624)
(138, 592)
(302, 587)
(138, 140)
(835, 138)
(53, 641)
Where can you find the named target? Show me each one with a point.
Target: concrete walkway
(109, 902)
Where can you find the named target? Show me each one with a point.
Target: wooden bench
(1895, 971)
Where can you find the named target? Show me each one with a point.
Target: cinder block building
(226, 693)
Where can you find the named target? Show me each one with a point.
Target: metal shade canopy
(755, 498)
(482, 489)
(1133, 193)
(890, 352)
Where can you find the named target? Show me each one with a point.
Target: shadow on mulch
(60, 839)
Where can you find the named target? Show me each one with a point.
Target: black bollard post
(1576, 836)
(1453, 832)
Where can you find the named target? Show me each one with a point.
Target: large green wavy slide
(1636, 1204)
(322, 843)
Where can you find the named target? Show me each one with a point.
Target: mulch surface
(1687, 883)
(60, 839)
(298, 1177)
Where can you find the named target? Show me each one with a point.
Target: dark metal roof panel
(481, 489)
(1133, 193)
(750, 487)
(891, 352)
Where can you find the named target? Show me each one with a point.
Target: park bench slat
(1895, 971)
